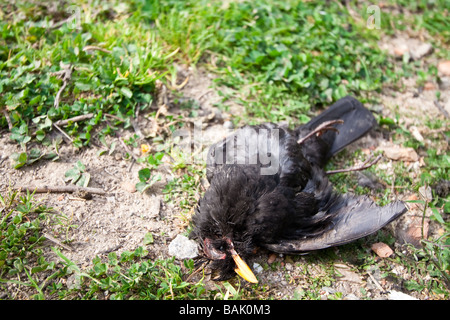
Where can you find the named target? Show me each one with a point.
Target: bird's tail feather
(358, 218)
(357, 121)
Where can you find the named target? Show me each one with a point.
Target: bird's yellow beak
(243, 269)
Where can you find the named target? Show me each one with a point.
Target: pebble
(272, 258)
(444, 74)
(351, 296)
(128, 186)
(429, 86)
(415, 48)
(153, 206)
(444, 68)
(382, 250)
(257, 267)
(416, 133)
(183, 248)
(397, 295)
(420, 50)
(228, 124)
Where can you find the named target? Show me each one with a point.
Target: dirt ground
(119, 220)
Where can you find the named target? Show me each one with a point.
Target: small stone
(429, 86)
(228, 124)
(416, 133)
(444, 68)
(153, 206)
(272, 258)
(183, 248)
(351, 296)
(382, 250)
(128, 186)
(420, 50)
(444, 83)
(397, 295)
(400, 50)
(257, 267)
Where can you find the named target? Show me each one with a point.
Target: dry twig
(63, 132)
(89, 48)
(362, 166)
(62, 189)
(59, 243)
(74, 119)
(441, 108)
(8, 120)
(66, 74)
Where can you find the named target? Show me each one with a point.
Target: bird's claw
(327, 125)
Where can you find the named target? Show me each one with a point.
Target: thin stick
(5, 113)
(74, 119)
(59, 24)
(363, 166)
(203, 94)
(63, 189)
(88, 48)
(441, 108)
(174, 86)
(123, 143)
(376, 282)
(66, 75)
(63, 132)
(113, 117)
(59, 243)
(127, 149)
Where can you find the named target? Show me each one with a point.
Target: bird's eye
(211, 251)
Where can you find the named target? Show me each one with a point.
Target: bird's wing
(357, 121)
(358, 218)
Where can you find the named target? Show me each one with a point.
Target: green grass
(282, 61)
(285, 57)
(429, 15)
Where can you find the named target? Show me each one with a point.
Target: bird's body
(268, 189)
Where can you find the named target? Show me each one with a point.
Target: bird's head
(220, 225)
(225, 258)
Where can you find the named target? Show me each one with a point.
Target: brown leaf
(400, 153)
(347, 274)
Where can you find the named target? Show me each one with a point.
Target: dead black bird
(268, 189)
